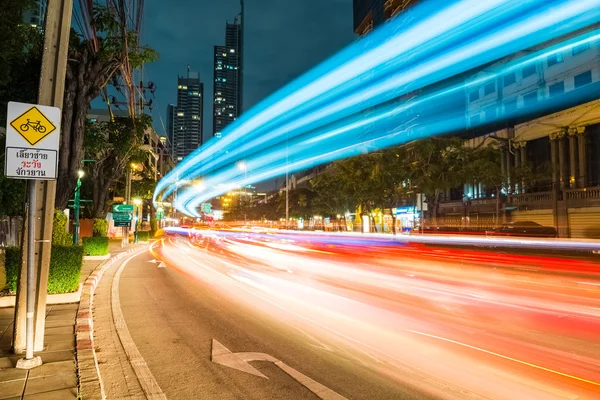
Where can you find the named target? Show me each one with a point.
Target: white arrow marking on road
(161, 265)
(222, 355)
(154, 261)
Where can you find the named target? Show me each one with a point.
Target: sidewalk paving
(56, 379)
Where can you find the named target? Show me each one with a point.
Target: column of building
(520, 156)
(582, 151)
(571, 174)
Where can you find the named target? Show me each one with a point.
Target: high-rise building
(37, 14)
(369, 14)
(187, 123)
(227, 94)
(170, 127)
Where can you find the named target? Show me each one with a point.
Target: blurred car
(524, 228)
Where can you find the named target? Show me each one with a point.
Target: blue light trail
(319, 117)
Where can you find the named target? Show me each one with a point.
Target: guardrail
(585, 193)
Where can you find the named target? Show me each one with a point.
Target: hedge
(95, 246)
(65, 268)
(60, 236)
(143, 236)
(100, 227)
(11, 264)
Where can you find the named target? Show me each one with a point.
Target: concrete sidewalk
(57, 377)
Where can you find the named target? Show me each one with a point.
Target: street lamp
(137, 203)
(76, 208)
(244, 167)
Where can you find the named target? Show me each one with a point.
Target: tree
(438, 164)
(107, 47)
(20, 63)
(114, 146)
(485, 167)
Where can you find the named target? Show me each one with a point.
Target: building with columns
(559, 137)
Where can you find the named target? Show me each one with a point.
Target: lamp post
(137, 203)
(76, 208)
(244, 167)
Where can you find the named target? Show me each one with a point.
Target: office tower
(170, 127)
(187, 125)
(37, 14)
(228, 61)
(369, 14)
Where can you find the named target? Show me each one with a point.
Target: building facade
(550, 112)
(187, 123)
(170, 127)
(36, 16)
(227, 93)
(368, 14)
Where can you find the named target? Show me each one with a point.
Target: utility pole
(287, 186)
(51, 93)
(77, 208)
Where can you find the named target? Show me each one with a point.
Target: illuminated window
(474, 95)
(509, 79)
(179, 87)
(581, 48)
(583, 79)
(232, 50)
(555, 59)
(180, 114)
(490, 113)
(556, 89)
(528, 71)
(530, 99)
(510, 106)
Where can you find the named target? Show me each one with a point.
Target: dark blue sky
(283, 39)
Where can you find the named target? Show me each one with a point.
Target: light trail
(429, 317)
(572, 15)
(325, 143)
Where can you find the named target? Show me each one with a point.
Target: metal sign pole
(30, 274)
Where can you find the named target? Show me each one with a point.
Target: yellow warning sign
(33, 125)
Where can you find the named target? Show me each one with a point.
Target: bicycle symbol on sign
(37, 126)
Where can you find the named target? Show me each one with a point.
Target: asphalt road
(367, 322)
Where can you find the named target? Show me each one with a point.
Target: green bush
(95, 246)
(153, 224)
(100, 227)
(143, 236)
(65, 269)
(12, 266)
(60, 235)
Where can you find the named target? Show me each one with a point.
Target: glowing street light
(77, 207)
(138, 203)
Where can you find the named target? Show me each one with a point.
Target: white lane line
(149, 385)
(505, 357)
(240, 361)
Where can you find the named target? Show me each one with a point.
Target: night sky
(283, 39)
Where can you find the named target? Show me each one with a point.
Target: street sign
(206, 207)
(32, 139)
(122, 217)
(122, 208)
(122, 224)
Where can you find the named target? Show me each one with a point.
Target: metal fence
(10, 231)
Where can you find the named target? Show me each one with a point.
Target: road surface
(365, 320)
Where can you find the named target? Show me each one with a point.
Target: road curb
(90, 382)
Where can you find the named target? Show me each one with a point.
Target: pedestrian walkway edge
(90, 382)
